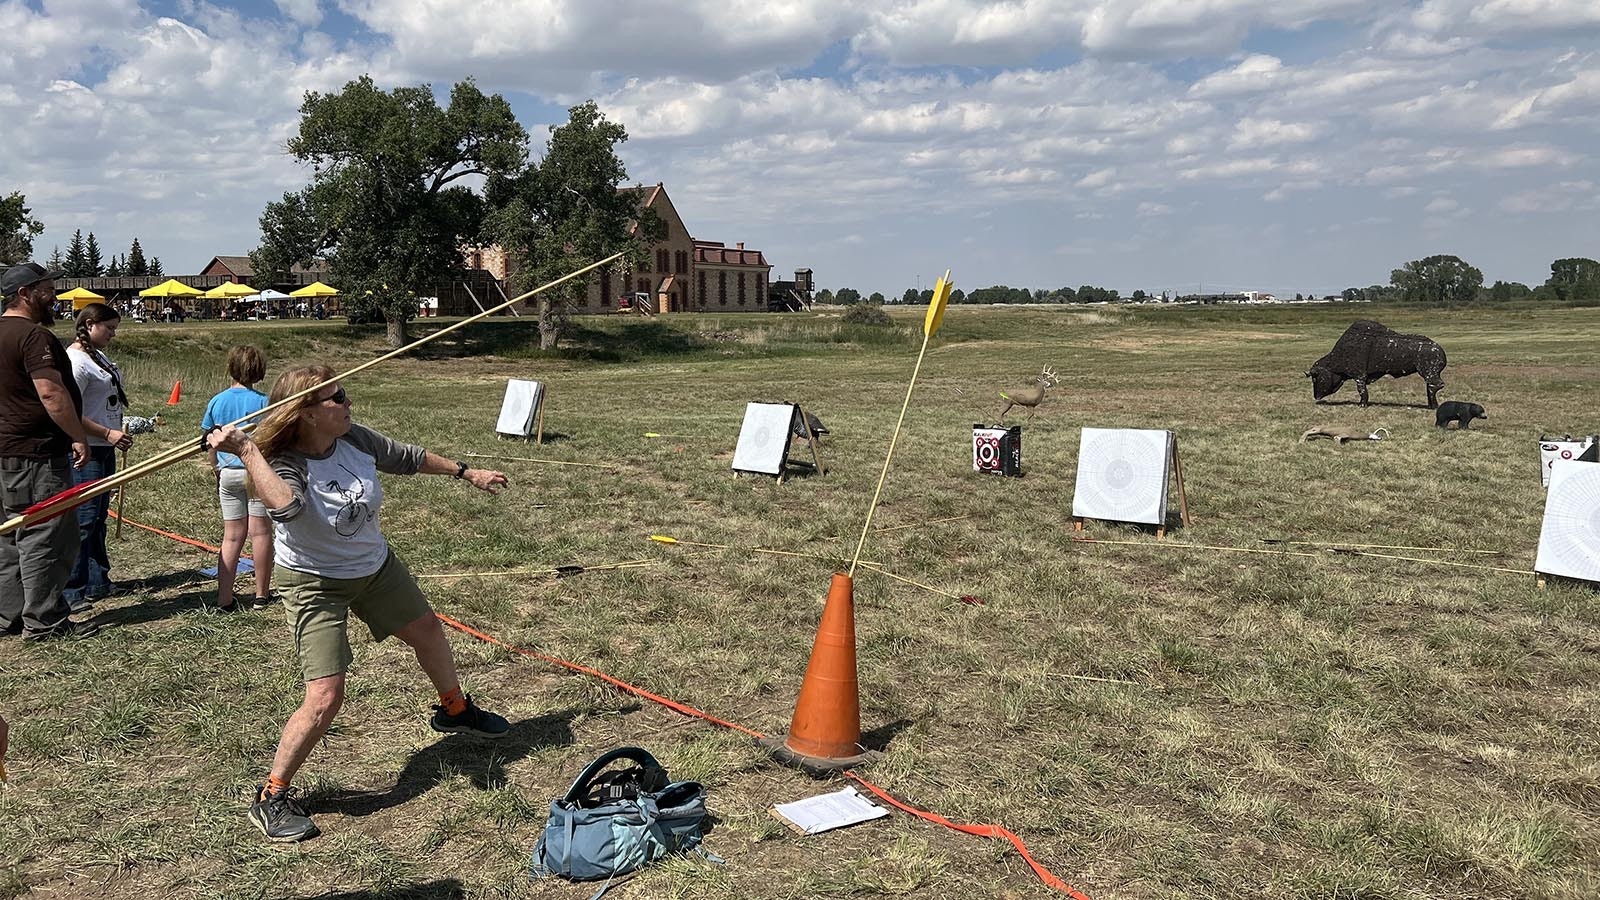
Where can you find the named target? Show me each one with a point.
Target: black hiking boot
(281, 817)
(471, 721)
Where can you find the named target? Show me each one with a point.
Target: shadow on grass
(1385, 403)
(878, 738)
(633, 341)
(482, 761)
(443, 889)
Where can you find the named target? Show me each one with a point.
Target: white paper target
(520, 409)
(764, 438)
(1122, 475)
(1569, 539)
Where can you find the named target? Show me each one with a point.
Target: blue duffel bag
(611, 824)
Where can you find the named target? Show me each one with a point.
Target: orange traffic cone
(825, 734)
(177, 393)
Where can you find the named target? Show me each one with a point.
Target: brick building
(679, 273)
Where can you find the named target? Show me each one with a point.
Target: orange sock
(454, 703)
(275, 785)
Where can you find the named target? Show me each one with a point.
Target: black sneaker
(261, 602)
(281, 817)
(12, 630)
(471, 721)
(80, 605)
(67, 629)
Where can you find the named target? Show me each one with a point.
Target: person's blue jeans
(91, 576)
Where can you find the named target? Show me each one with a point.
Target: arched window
(741, 288)
(722, 288)
(702, 287)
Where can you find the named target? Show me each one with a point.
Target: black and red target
(997, 450)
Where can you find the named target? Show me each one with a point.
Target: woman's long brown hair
(278, 431)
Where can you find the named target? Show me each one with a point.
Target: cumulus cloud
(856, 118)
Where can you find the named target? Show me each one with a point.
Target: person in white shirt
(100, 382)
(317, 473)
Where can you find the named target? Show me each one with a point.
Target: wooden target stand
(1183, 497)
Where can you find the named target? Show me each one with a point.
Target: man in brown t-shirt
(41, 438)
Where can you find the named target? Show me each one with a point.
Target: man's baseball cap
(24, 275)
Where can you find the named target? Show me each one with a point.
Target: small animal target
(1122, 475)
(1569, 539)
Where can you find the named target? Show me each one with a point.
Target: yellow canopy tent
(230, 290)
(172, 287)
(315, 289)
(81, 297)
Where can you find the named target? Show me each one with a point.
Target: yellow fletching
(941, 297)
(661, 538)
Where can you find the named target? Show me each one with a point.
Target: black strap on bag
(591, 788)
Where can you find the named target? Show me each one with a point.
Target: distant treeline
(1434, 279)
(997, 294)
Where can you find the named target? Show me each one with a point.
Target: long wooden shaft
(184, 451)
(121, 496)
(866, 527)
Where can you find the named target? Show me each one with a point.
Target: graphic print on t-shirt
(355, 512)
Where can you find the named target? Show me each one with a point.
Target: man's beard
(44, 312)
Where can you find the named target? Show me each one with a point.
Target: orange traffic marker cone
(825, 734)
(177, 393)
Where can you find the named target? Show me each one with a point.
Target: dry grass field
(1294, 726)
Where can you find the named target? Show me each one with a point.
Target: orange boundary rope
(987, 831)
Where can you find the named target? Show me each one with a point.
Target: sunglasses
(339, 397)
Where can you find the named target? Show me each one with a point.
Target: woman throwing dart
(317, 473)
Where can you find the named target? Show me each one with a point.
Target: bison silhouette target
(1369, 350)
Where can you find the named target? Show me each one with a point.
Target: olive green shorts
(318, 610)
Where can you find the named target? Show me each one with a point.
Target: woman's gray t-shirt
(330, 528)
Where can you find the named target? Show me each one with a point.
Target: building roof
(240, 266)
(716, 253)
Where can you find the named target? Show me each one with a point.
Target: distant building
(240, 270)
(678, 274)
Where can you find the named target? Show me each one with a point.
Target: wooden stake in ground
(54, 506)
(930, 324)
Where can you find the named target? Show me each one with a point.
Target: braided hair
(94, 314)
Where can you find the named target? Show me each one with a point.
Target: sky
(1292, 146)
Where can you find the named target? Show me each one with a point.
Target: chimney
(740, 245)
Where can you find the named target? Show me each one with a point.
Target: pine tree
(76, 261)
(136, 264)
(155, 267)
(93, 265)
(56, 262)
(114, 270)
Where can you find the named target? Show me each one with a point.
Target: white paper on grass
(826, 812)
(1569, 539)
(764, 438)
(520, 409)
(1122, 475)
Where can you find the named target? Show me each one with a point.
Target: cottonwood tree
(18, 228)
(561, 212)
(1437, 279)
(387, 206)
(1575, 278)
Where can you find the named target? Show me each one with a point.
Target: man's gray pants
(35, 562)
